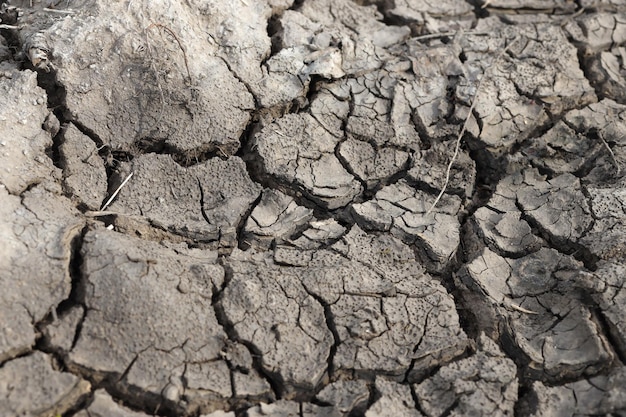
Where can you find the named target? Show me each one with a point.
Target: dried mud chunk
(537, 298)
(36, 235)
(603, 30)
(347, 397)
(283, 79)
(425, 99)
(390, 316)
(380, 112)
(150, 324)
(84, 174)
(128, 80)
(23, 142)
(395, 400)
(601, 395)
(370, 164)
(278, 409)
(430, 167)
(505, 117)
(564, 150)
(104, 406)
(608, 286)
(483, 384)
(608, 70)
(320, 233)
(30, 386)
(269, 308)
(607, 238)
(541, 73)
(204, 202)
(277, 216)
(60, 334)
(296, 149)
(501, 225)
(434, 8)
(364, 39)
(605, 124)
(401, 209)
(557, 206)
(505, 231)
(427, 16)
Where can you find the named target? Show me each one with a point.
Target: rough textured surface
(84, 174)
(598, 395)
(162, 97)
(312, 208)
(30, 386)
(404, 211)
(485, 382)
(205, 202)
(261, 297)
(104, 406)
(394, 400)
(36, 234)
(542, 313)
(180, 362)
(276, 217)
(23, 142)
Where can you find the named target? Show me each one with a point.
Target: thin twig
(46, 9)
(522, 309)
(442, 34)
(100, 213)
(608, 148)
(180, 45)
(110, 200)
(156, 78)
(9, 27)
(464, 128)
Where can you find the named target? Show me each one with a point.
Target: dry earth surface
(287, 239)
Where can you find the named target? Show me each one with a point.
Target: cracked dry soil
(276, 251)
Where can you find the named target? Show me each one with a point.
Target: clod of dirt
(347, 397)
(23, 142)
(540, 76)
(606, 238)
(394, 400)
(31, 386)
(601, 395)
(160, 299)
(104, 406)
(84, 174)
(134, 74)
(260, 295)
(558, 207)
(276, 217)
(403, 210)
(603, 30)
(204, 202)
(297, 149)
(37, 233)
(483, 384)
(542, 311)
